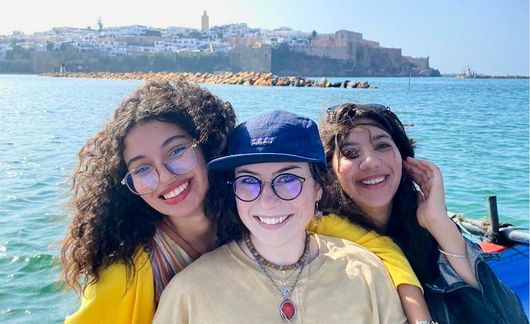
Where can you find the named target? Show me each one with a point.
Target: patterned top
(169, 254)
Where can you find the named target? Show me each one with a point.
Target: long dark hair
(416, 242)
(109, 223)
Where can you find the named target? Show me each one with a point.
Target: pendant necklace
(287, 307)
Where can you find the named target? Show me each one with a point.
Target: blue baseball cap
(273, 136)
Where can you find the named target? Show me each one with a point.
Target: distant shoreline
(446, 75)
(239, 78)
(484, 76)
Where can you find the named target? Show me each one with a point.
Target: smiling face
(177, 196)
(369, 168)
(272, 221)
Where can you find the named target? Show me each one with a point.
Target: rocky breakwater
(240, 78)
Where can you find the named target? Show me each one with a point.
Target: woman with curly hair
(143, 208)
(375, 176)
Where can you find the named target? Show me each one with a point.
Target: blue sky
(488, 36)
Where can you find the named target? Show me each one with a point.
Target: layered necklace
(287, 307)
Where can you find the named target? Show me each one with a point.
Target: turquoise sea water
(475, 130)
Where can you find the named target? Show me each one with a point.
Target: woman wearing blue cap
(277, 271)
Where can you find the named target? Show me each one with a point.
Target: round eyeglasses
(145, 178)
(286, 186)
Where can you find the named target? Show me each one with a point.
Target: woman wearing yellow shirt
(144, 206)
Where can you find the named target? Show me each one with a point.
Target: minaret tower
(205, 22)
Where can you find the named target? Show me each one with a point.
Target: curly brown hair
(403, 227)
(109, 224)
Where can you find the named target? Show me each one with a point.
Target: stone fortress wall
(257, 59)
(360, 53)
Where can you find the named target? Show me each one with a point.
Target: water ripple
(473, 129)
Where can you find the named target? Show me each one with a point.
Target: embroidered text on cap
(264, 140)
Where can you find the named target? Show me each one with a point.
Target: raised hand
(432, 215)
(431, 211)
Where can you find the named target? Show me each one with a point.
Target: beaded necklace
(269, 264)
(287, 307)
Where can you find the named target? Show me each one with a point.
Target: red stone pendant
(287, 310)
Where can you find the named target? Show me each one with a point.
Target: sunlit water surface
(475, 130)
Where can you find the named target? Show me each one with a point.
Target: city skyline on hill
(487, 37)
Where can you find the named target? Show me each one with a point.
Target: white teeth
(373, 181)
(272, 220)
(175, 192)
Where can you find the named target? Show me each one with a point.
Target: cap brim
(233, 161)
